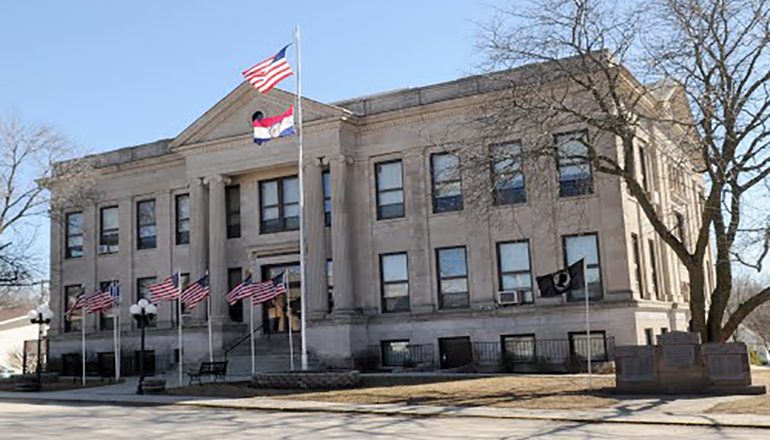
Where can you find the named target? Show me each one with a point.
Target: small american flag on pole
(98, 302)
(267, 290)
(196, 292)
(242, 290)
(265, 75)
(166, 290)
(78, 304)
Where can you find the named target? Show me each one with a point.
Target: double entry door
(279, 313)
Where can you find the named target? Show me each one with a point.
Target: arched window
(257, 116)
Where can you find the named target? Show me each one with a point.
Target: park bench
(218, 370)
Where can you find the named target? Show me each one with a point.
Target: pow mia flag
(557, 283)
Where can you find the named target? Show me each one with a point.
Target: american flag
(166, 290)
(79, 300)
(98, 302)
(265, 75)
(196, 292)
(267, 290)
(242, 290)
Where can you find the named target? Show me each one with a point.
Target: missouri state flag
(274, 127)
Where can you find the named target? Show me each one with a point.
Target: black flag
(557, 283)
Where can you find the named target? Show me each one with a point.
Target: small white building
(15, 328)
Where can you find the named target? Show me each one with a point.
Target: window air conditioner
(508, 297)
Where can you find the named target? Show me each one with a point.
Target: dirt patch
(751, 405)
(536, 392)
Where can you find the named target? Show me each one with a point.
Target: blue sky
(118, 73)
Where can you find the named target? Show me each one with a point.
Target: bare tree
(35, 160)
(758, 321)
(560, 63)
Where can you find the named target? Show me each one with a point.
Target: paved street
(83, 422)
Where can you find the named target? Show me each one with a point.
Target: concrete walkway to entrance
(678, 411)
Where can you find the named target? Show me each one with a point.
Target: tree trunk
(698, 300)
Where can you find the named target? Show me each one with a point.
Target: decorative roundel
(561, 281)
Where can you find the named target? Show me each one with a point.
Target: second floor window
(327, 187)
(394, 273)
(74, 235)
(507, 178)
(147, 231)
(453, 278)
(235, 277)
(390, 190)
(514, 270)
(74, 321)
(109, 230)
(575, 174)
(107, 317)
(279, 205)
(233, 208)
(330, 283)
(653, 268)
(182, 202)
(637, 255)
(447, 184)
(585, 246)
(680, 228)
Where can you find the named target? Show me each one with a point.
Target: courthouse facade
(395, 258)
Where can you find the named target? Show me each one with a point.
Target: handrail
(264, 326)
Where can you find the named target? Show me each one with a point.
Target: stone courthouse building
(396, 264)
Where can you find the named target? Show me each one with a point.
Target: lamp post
(41, 315)
(142, 311)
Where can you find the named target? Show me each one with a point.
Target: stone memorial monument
(680, 364)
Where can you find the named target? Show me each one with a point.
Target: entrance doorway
(277, 313)
(455, 352)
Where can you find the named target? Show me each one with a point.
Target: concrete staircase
(271, 355)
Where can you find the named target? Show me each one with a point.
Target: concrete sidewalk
(681, 411)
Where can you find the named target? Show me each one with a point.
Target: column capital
(340, 159)
(217, 178)
(194, 181)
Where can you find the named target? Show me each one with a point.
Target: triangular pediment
(232, 115)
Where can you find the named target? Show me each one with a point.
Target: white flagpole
(83, 340)
(208, 314)
(251, 327)
(288, 318)
(588, 319)
(179, 308)
(302, 298)
(119, 301)
(116, 312)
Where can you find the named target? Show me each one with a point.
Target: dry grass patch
(534, 392)
(751, 405)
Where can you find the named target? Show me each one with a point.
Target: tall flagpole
(251, 327)
(83, 317)
(588, 319)
(179, 309)
(116, 313)
(303, 302)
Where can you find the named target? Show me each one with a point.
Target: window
(74, 321)
(585, 246)
(235, 277)
(578, 345)
(394, 279)
(653, 268)
(109, 229)
(507, 178)
(182, 202)
(681, 228)
(395, 353)
(330, 283)
(649, 336)
(106, 318)
(447, 185)
(142, 291)
(575, 175)
(637, 255)
(643, 168)
(514, 271)
(663, 330)
(390, 190)
(256, 116)
(327, 186)
(519, 348)
(74, 235)
(453, 278)
(279, 205)
(233, 210)
(147, 232)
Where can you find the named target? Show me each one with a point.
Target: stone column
(344, 299)
(315, 253)
(217, 236)
(198, 230)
